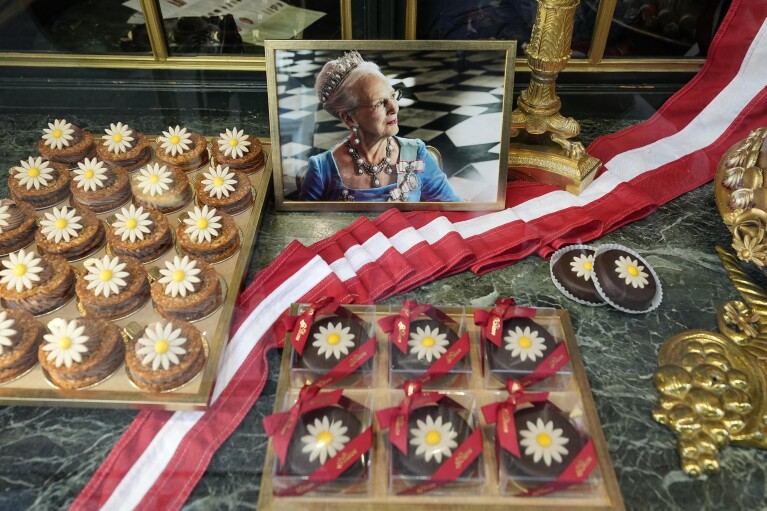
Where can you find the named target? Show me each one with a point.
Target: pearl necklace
(370, 169)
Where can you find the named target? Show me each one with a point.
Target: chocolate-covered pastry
(574, 270)
(124, 147)
(20, 336)
(548, 443)
(17, 225)
(39, 183)
(331, 339)
(524, 345)
(35, 284)
(625, 280)
(72, 233)
(434, 433)
(429, 340)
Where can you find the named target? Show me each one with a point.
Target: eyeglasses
(396, 96)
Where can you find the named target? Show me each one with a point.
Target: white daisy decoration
(58, 134)
(333, 340)
(106, 276)
(6, 331)
(90, 174)
(4, 216)
(219, 181)
(433, 439)
(161, 346)
(525, 344)
(175, 140)
(118, 137)
(61, 224)
(66, 342)
(154, 179)
(203, 224)
(631, 272)
(34, 172)
(428, 343)
(325, 439)
(132, 223)
(542, 441)
(233, 143)
(583, 266)
(21, 270)
(180, 276)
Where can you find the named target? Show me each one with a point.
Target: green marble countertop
(48, 454)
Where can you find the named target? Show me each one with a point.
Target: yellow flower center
(633, 271)
(161, 346)
(88, 174)
(588, 265)
(433, 437)
(525, 342)
(56, 133)
(117, 137)
(131, 223)
(325, 438)
(106, 275)
(334, 339)
(543, 439)
(202, 223)
(61, 223)
(19, 270)
(154, 179)
(233, 142)
(218, 181)
(175, 140)
(427, 342)
(178, 275)
(65, 343)
(33, 172)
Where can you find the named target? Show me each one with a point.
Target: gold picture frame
(469, 128)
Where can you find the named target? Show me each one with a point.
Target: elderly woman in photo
(371, 164)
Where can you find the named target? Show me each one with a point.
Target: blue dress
(323, 182)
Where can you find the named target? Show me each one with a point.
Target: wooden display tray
(605, 496)
(117, 391)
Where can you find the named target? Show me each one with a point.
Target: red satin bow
(398, 326)
(492, 322)
(299, 326)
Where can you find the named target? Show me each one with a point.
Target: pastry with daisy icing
(524, 346)
(124, 146)
(112, 286)
(20, 336)
(79, 353)
(187, 289)
(428, 342)
(225, 189)
(17, 225)
(181, 148)
(160, 187)
(72, 233)
(35, 283)
(625, 280)
(143, 233)
(572, 271)
(208, 234)
(64, 142)
(99, 186)
(238, 151)
(39, 182)
(165, 356)
(548, 444)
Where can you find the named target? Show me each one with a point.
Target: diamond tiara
(340, 69)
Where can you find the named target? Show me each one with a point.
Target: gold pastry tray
(604, 496)
(117, 391)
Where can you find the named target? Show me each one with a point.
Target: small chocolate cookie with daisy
(98, 186)
(160, 187)
(20, 336)
(182, 149)
(79, 353)
(572, 271)
(112, 287)
(17, 225)
(626, 280)
(238, 151)
(72, 233)
(208, 234)
(165, 356)
(65, 142)
(123, 146)
(141, 233)
(35, 284)
(224, 189)
(187, 289)
(39, 182)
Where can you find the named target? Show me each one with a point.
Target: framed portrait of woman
(368, 125)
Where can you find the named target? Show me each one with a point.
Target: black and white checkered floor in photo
(453, 101)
